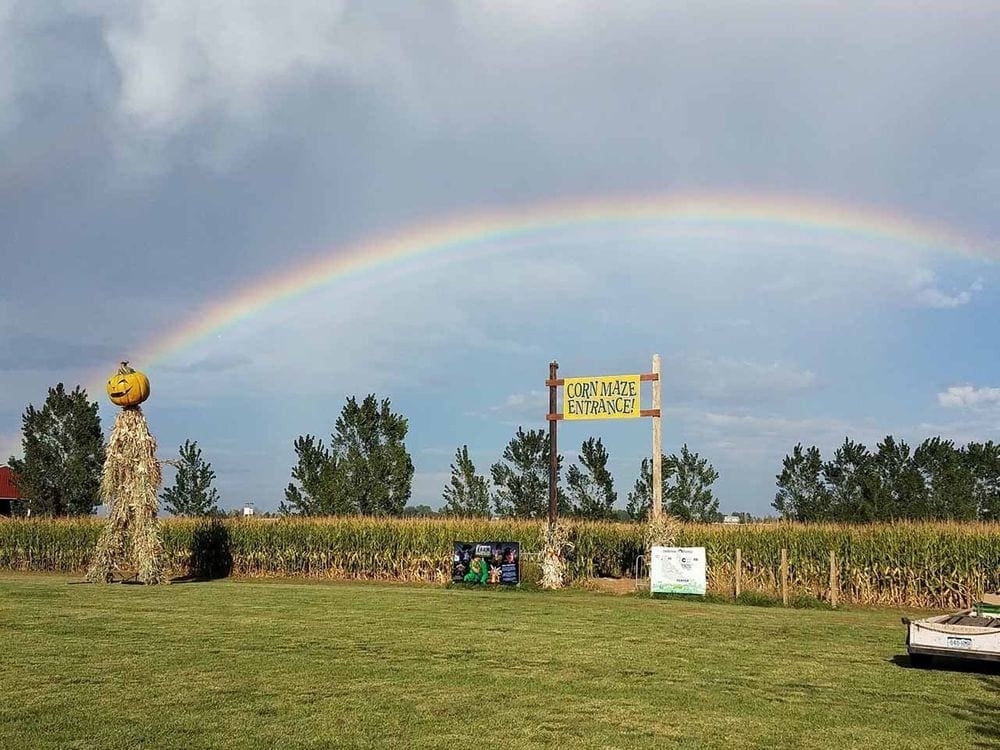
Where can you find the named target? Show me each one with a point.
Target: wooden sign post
(657, 442)
(553, 449)
(602, 397)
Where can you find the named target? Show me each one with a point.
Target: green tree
(950, 486)
(801, 494)
(689, 490)
(898, 485)
(640, 498)
(313, 490)
(192, 493)
(851, 482)
(592, 489)
(936, 481)
(984, 463)
(521, 477)
(366, 470)
(467, 493)
(375, 468)
(63, 445)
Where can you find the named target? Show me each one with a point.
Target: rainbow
(457, 236)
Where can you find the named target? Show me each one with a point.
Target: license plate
(959, 642)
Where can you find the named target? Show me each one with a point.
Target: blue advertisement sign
(487, 563)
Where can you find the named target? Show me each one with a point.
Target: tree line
(936, 480)
(367, 469)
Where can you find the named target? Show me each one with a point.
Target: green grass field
(281, 665)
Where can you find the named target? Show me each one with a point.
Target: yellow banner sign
(604, 397)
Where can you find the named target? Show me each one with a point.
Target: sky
(816, 254)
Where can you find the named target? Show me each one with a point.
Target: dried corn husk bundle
(130, 542)
(661, 531)
(553, 563)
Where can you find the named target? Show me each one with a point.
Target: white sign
(677, 570)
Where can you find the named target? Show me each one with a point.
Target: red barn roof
(8, 486)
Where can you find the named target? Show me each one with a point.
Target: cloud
(926, 293)
(749, 435)
(222, 69)
(10, 445)
(727, 378)
(517, 407)
(213, 363)
(427, 488)
(969, 397)
(9, 81)
(181, 61)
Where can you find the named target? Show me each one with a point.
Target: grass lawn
(279, 665)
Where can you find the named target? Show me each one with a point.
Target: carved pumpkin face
(128, 387)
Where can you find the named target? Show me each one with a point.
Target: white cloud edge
(969, 397)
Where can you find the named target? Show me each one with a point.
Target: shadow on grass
(981, 714)
(944, 664)
(211, 555)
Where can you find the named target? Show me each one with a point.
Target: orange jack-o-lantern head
(128, 387)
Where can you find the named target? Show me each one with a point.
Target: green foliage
(686, 485)
(316, 472)
(640, 499)
(60, 473)
(984, 463)
(688, 495)
(366, 470)
(467, 493)
(937, 481)
(849, 481)
(192, 493)
(521, 477)
(801, 493)
(420, 511)
(592, 489)
(948, 483)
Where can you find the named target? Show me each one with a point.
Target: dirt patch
(617, 586)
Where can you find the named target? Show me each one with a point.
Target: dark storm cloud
(150, 152)
(140, 144)
(42, 353)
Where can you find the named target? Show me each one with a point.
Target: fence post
(784, 577)
(739, 570)
(833, 579)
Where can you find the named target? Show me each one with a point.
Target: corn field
(933, 565)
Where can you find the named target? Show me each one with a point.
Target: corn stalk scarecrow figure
(555, 545)
(130, 540)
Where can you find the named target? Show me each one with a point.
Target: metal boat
(970, 634)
